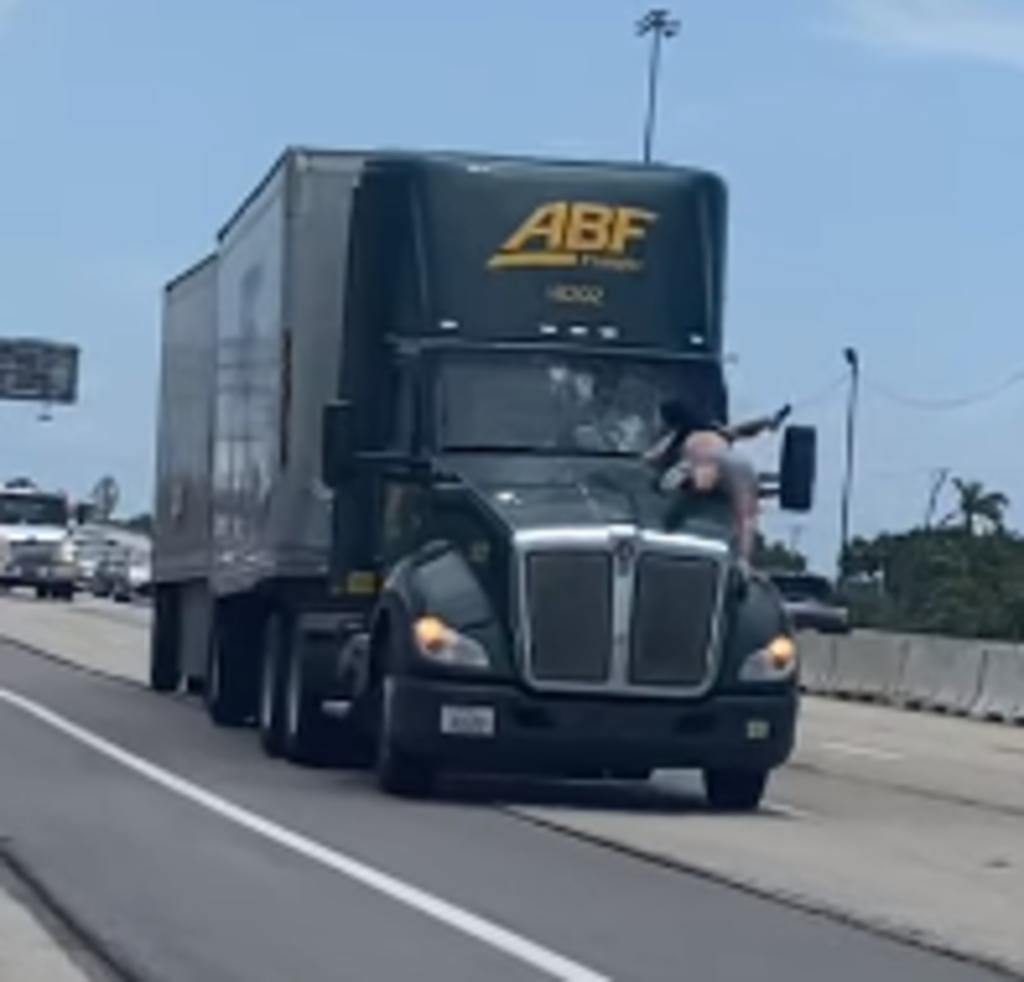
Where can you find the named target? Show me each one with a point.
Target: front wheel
(735, 790)
(399, 771)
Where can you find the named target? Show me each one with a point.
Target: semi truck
(403, 517)
(36, 546)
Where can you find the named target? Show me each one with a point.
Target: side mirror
(84, 513)
(337, 443)
(798, 468)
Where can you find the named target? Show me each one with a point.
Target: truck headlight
(66, 552)
(775, 662)
(439, 643)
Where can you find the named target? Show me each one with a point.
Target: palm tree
(976, 505)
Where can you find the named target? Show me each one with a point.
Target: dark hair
(684, 417)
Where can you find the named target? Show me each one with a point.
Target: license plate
(468, 721)
(758, 729)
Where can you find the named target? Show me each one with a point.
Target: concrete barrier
(870, 665)
(942, 673)
(817, 661)
(1001, 695)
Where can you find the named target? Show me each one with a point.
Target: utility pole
(853, 362)
(939, 478)
(661, 25)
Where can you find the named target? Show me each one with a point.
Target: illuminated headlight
(776, 662)
(439, 643)
(66, 552)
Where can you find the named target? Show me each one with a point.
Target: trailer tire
(277, 642)
(735, 790)
(165, 641)
(304, 725)
(229, 692)
(43, 593)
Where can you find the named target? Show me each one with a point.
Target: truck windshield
(561, 403)
(32, 509)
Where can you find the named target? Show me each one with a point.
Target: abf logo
(577, 233)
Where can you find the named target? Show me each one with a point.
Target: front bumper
(559, 734)
(50, 574)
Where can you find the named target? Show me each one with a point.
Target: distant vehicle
(122, 575)
(812, 603)
(110, 576)
(36, 547)
(140, 575)
(90, 548)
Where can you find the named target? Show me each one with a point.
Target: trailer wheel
(277, 641)
(164, 641)
(735, 790)
(42, 592)
(305, 736)
(229, 691)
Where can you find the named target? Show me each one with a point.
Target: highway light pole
(853, 362)
(661, 25)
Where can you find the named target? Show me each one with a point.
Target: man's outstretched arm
(755, 427)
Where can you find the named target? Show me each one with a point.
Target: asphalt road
(190, 856)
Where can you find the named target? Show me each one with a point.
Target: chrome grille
(30, 555)
(673, 619)
(620, 610)
(570, 616)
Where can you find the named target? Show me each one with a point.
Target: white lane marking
(487, 932)
(856, 750)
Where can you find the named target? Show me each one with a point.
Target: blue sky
(873, 148)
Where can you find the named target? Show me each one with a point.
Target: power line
(820, 395)
(945, 405)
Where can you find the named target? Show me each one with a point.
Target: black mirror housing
(337, 443)
(798, 468)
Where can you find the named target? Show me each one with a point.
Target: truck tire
(42, 592)
(165, 641)
(399, 772)
(735, 790)
(305, 737)
(277, 641)
(232, 672)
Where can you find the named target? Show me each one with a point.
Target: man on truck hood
(697, 455)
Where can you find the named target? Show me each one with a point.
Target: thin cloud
(990, 31)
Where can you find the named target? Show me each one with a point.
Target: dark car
(812, 603)
(110, 578)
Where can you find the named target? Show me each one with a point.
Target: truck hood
(544, 492)
(42, 534)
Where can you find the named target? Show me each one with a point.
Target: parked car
(812, 603)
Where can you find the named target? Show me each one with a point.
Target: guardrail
(984, 679)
